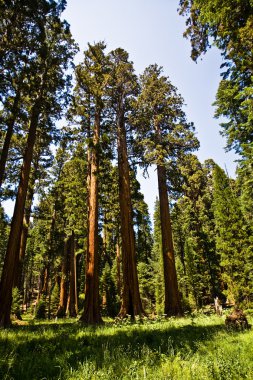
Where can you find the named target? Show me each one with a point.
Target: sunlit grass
(187, 348)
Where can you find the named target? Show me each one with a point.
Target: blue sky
(152, 32)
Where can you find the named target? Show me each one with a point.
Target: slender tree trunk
(61, 312)
(118, 262)
(91, 313)
(24, 234)
(73, 310)
(131, 301)
(45, 281)
(8, 136)
(19, 278)
(172, 298)
(12, 253)
(50, 260)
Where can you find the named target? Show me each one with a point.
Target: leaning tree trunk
(8, 136)
(91, 313)
(131, 301)
(24, 233)
(172, 298)
(73, 309)
(12, 253)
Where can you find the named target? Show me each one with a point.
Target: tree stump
(237, 320)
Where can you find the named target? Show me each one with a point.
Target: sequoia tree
(92, 78)
(123, 84)
(47, 82)
(163, 134)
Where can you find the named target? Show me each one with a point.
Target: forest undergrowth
(195, 347)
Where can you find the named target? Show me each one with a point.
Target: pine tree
(231, 238)
(193, 231)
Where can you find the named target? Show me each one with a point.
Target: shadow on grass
(49, 350)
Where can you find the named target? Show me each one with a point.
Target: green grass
(187, 348)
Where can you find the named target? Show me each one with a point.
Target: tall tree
(232, 240)
(194, 235)
(49, 80)
(163, 135)
(123, 86)
(92, 78)
(21, 35)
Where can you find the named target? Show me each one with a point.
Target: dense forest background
(81, 241)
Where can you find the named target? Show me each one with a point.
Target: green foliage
(212, 215)
(162, 131)
(157, 261)
(36, 50)
(232, 240)
(194, 234)
(228, 24)
(16, 302)
(110, 304)
(40, 310)
(55, 298)
(147, 285)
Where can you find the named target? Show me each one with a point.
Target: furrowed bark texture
(91, 313)
(73, 310)
(12, 253)
(131, 301)
(172, 299)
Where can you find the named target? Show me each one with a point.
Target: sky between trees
(152, 32)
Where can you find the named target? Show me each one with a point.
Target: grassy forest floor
(196, 347)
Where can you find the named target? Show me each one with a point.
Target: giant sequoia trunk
(72, 304)
(8, 136)
(172, 299)
(91, 313)
(12, 253)
(131, 301)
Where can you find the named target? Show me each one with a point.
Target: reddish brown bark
(172, 298)
(8, 136)
(61, 312)
(12, 253)
(91, 313)
(131, 301)
(72, 304)
(24, 235)
(118, 262)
